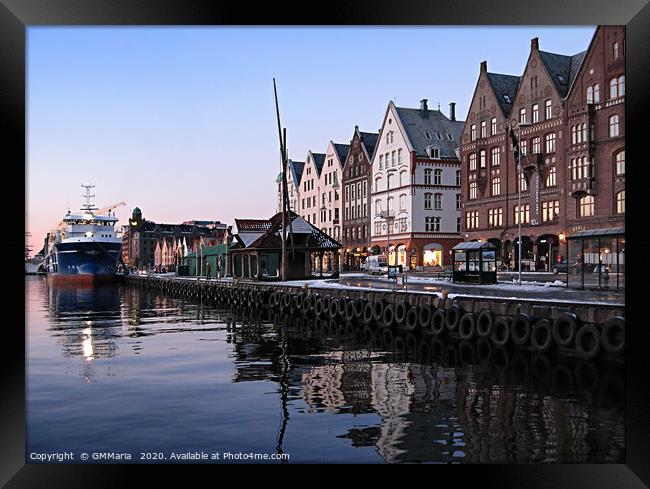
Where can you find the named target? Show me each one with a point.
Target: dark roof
(319, 161)
(296, 170)
(150, 226)
(252, 225)
(369, 140)
(562, 69)
(271, 228)
(474, 245)
(342, 152)
(505, 89)
(418, 123)
(598, 232)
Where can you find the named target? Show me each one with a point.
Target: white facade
(330, 202)
(309, 190)
(294, 191)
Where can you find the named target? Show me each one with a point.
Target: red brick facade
(567, 152)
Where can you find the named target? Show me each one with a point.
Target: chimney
(423, 104)
(452, 111)
(483, 66)
(534, 43)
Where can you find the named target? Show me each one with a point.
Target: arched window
(402, 202)
(586, 206)
(402, 178)
(377, 206)
(617, 87)
(619, 159)
(377, 184)
(614, 129)
(427, 176)
(620, 202)
(590, 95)
(437, 202)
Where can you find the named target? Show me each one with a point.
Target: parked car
(376, 264)
(560, 267)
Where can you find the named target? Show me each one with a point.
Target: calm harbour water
(119, 369)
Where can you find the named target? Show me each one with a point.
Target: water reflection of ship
(441, 412)
(85, 319)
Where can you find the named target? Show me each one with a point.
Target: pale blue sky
(181, 121)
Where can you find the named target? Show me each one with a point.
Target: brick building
(566, 113)
(356, 198)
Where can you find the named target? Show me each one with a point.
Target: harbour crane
(106, 209)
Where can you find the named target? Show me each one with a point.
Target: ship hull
(84, 262)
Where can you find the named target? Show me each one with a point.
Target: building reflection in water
(497, 410)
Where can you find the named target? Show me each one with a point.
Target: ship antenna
(88, 206)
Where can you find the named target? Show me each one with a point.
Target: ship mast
(88, 206)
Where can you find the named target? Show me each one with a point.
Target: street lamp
(519, 217)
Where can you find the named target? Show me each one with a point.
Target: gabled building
(357, 177)
(415, 208)
(567, 117)
(329, 196)
(310, 187)
(294, 176)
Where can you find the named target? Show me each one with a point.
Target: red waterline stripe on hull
(80, 278)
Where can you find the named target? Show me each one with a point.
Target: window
(399, 156)
(472, 162)
(427, 201)
(427, 176)
(583, 130)
(523, 214)
(550, 210)
(377, 207)
(522, 116)
(590, 95)
(393, 158)
(613, 126)
(523, 184)
(472, 190)
(620, 202)
(549, 139)
(433, 152)
(495, 156)
(381, 162)
(615, 50)
(548, 107)
(537, 145)
(523, 147)
(620, 162)
(482, 158)
(457, 202)
(437, 202)
(471, 219)
(483, 129)
(347, 213)
(432, 224)
(495, 217)
(496, 185)
(493, 126)
(597, 93)
(586, 206)
(390, 206)
(437, 177)
(458, 177)
(551, 176)
(402, 178)
(617, 87)
(472, 134)
(535, 113)
(458, 224)
(580, 168)
(402, 202)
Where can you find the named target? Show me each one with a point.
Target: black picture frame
(17, 15)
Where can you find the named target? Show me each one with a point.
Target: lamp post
(389, 172)
(519, 213)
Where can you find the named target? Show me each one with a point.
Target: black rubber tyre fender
(411, 342)
(541, 336)
(300, 300)
(452, 318)
(411, 321)
(483, 350)
(520, 329)
(368, 315)
(342, 304)
(359, 307)
(467, 326)
(438, 322)
(349, 311)
(319, 307)
(401, 308)
(613, 336)
(334, 308)
(425, 311)
(564, 329)
(387, 338)
(326, 304)
(588, 342)
(388, 318)
(378, 310)
(501, 331)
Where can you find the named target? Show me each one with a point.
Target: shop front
(596, 259)
(432, 256)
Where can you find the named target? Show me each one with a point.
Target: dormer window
(427, 135)
(438, 135)
(507, 99)
(433, 152)
(561, 79)
(451, 138)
